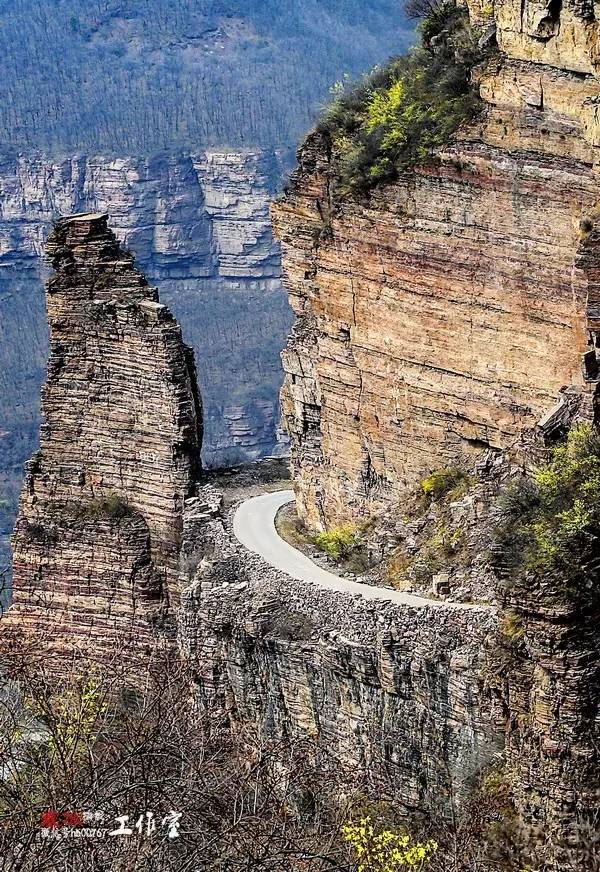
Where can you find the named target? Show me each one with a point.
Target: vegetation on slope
(337, 542)
(451, 482)
(89, 758)
(401, 112)
(115, 750)
(551, 523)
(386, 850)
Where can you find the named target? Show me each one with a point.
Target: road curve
(254, 527)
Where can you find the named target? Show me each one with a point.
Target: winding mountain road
(254, 527)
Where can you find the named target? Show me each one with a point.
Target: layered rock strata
(450, 313)
(446, 313)
(397, 696)
(96, 544)
(199, 225)
(547, 679)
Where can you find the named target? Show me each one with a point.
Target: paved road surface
(254, 527)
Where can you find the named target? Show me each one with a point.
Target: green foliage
(338, 541)
(449, 482)
(446, 540)
(76, 719)
(71, 723)
(443, 543)
(494, 783)
(443, 550)
(400, 113)
(386, 850)
(551, 521)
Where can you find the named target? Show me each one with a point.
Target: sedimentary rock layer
(444, 314)
(549, 680)
(439, 319)
(96, 544)
(395, 695)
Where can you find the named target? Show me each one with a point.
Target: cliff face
(96, 544)
(445, 314)
(548, 684)
(451, 312)
(396, 696)
(199, 225)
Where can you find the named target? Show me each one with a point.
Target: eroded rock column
(97, 540)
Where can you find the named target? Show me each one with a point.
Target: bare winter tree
(4, 589)
(422, 8)
(93, 780)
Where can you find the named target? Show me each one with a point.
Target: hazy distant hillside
(137, 76)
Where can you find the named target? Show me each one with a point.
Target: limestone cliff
(119, 548)
(96, 544)
(446, 313)
(449, 313)
(396, 696)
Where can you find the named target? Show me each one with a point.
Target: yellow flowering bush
(74, 721)
(386, 850)
(337, 542)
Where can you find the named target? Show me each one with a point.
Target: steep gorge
(199, 225)
(122, 548)
(441, 320)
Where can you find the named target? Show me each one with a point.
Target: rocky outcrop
(546, 676)
(119, 547)
(198, 224)
(96, 545)
(446, 315)
(440, 319)
(447, 312)
(450, 313)
(396, 695)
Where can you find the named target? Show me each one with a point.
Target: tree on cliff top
(400, 113)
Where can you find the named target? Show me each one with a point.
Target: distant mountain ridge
(138, 76)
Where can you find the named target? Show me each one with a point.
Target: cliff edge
(443, 313)
(448, 312)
